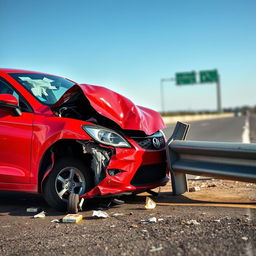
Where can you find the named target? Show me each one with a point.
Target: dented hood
(117, 108)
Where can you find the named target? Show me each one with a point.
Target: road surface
(232, 129)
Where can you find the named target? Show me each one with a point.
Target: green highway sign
(209, 76)
(185, 78)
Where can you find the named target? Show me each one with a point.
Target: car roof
(11, 70)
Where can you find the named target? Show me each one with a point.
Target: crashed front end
(127, 147)
(136, 168)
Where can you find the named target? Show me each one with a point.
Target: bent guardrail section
(226, 160)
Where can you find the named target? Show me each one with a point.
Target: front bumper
(140, 170)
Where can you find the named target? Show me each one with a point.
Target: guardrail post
(179, 180)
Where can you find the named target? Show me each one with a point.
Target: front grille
(155, 141)
(149, 174)
(147, 143)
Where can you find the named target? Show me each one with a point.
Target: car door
(15, 140)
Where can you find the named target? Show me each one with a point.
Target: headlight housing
(106, 136)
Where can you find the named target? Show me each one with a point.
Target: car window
(46, 88)
(5, 88)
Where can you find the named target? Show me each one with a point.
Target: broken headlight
(106, 136)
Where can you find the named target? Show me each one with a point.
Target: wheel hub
(69, 180)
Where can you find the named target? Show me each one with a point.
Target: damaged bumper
(126, 170)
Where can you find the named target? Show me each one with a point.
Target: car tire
(69, 175)
(73, 203)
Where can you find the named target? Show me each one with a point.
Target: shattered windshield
(46, 88)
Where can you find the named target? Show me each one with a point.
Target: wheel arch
(61, 148)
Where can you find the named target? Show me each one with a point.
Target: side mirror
(10, 102)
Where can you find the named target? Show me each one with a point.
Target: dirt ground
(220, 219)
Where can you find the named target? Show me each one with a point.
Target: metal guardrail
(226, 160)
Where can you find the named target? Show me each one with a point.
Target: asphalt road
(218, 220)
(224, 129)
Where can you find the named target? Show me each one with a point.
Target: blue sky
(129, 45)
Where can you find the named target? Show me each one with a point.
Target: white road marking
(246, 131)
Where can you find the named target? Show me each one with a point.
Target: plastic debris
(216, 220)
(152, 220)
(100, 214)
(117, 214)
(161, 219)
(195, 189)
(133, 226)
(6, 226)
(81, 203)
(156, 249)
(40, 215)
(55, 221)
(190, 222)
(72, 218)
(33, 209)
(245, 238)
(150, 204)
(112, 226)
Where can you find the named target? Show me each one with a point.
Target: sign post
(190, 78)
(212, 76)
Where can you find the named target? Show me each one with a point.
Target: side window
(7, 89)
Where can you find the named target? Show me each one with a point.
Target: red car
(58, 137)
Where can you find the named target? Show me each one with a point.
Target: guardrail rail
(226, 160)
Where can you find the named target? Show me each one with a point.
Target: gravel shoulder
(217, 220)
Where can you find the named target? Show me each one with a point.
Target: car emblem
(156, 143)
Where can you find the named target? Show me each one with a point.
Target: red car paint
(25, 139)
(119, 109)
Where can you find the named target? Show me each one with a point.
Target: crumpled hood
(118, 108)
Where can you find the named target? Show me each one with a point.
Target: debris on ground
(152, 220)
(190, 222)
(100, 214)
(72, 218)
(194, 189)
(133, 226)
(156, 249)
(150, 204)
(33, 209)
(217, 221)
(6, 226)
(117, 214)
(245, 238)
(55, 221)
(212, 185)
(80, 206)
(40, 215)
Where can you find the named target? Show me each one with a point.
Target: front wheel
(69, 176)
